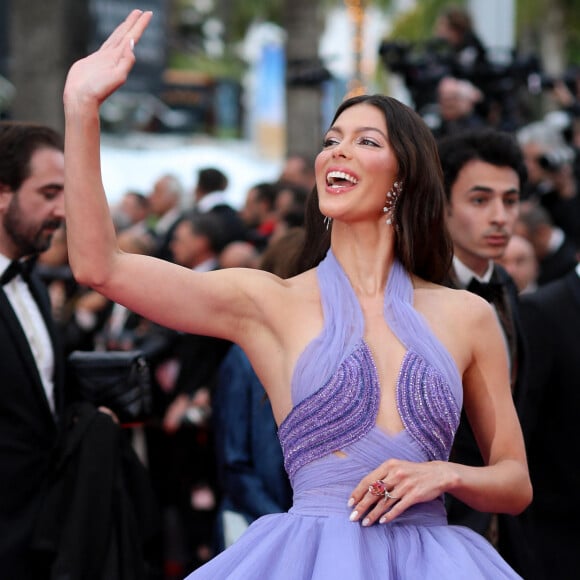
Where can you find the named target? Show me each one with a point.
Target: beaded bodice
(344, 409)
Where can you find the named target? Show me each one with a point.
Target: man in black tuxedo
(31, 365)
(551, 321)
(483, 173)
(63, 462)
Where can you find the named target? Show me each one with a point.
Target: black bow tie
(490, 291)
(17, 267)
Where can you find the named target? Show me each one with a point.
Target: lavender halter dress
(335, 390)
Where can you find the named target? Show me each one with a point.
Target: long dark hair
(422, 243)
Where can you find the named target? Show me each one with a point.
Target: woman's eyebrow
(337, 129)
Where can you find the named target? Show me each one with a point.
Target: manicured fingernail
(132, 43)
(382, 520)
(350, 502)
(353, 516)
(366, 522)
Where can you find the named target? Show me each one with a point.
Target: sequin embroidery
(343, 411)
(427, 407)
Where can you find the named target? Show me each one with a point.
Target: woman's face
(356, 167)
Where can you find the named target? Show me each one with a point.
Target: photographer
(456, 51)
(552, 177)
(457, 100)
(455, 28)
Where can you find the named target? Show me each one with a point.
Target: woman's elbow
(94, 274)
(523, 497)
(88, 277)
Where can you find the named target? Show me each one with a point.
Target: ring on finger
(378, 488)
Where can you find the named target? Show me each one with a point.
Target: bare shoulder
(468, 306)
(268, 288)
(453, 315)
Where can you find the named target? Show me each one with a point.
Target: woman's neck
(366, 256)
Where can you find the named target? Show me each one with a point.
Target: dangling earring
(391, 202)
(327, 222)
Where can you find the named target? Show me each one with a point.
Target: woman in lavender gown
(366, 360)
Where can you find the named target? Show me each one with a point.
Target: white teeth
(332, 175)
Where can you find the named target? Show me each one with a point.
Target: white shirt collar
(210, 200)
(206, 266)
(167, 220)
(4, 263)
(465, 274)
(556, 240)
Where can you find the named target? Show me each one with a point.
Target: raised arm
(219, 303)
(92, 238)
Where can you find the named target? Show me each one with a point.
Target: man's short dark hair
(209, 226)
(488, 145)
(211, 179)
(266, 192)
(18, 142)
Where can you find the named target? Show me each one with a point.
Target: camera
(423, 65)
(554, 160)
(539, 81)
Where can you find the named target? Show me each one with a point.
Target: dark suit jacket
(551, 319)
(558, 264)
(28, 434)
(551, 322)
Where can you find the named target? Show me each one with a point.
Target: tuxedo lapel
(15, 329)
(40, 295)
(573, 283)
(505, 311)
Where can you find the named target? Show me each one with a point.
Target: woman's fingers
(361, 489)
(372, 508)
(125, 29)
(389, 490)
(368, 497)
(98, 75)
(138, 27)
(394, 486)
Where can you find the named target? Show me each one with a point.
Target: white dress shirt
(465, 274)
(34, 327)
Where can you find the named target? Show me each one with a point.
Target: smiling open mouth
(340, 179)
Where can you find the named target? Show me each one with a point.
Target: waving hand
(94, 78)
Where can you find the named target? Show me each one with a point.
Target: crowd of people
(309, 352)
(201, 231)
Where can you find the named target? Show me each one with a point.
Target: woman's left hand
(397, 485)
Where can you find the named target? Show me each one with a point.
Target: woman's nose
(340, 150)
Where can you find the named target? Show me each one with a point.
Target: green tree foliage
(240, 15)
(532, 13)
(417, 24)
